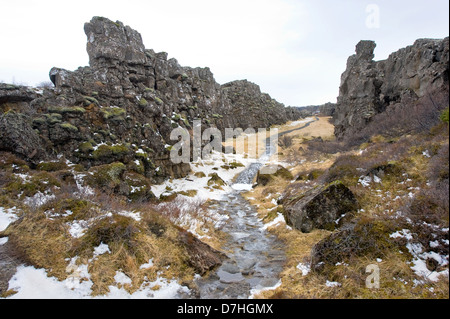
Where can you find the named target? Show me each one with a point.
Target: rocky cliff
(123, 106)
(369, 87)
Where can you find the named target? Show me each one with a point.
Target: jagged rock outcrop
(369, 87)
(326, 109)
(251, 108)
(124, 105)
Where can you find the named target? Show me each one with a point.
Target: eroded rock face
(369, 87)
(130, 98)
(323, 207)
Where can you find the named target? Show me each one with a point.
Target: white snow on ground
(38, 199)
(31, 283)
(7, 216)
(191, 216)
(296, 123)
(305, 269)
(134, 215)
(419, 262)
(256, 291)
(367, 180)
(278, 220)
(333, 284)
(79, 286)
(122, 279)
(101, 249)
(147, 265)
(77, 228)
(242, 187)
(211, 165)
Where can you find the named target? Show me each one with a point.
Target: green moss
(158, 101)
(88, 100)
(53, 118)
(143, 102)
(115, 231)
(106, 177)
(39, 121)
(86, 147)
(315, 174)
(176, 117)
(113, 113)
(66, 110)
(40, 182)
(52, 166)
(69, 127)
(445, 115)
(106, 151)
(137, 166)
(80, 209)
(217, 116)
(139, 187)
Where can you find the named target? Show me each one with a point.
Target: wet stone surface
(255, 257)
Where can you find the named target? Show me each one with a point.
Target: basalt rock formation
(124, 105)
(370, 87)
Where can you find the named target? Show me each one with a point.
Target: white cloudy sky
(295, 50)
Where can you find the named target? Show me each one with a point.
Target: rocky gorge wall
(123, 106)
(370, 87)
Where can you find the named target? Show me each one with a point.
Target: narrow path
(256, 257)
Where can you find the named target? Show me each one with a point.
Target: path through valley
(256, 257)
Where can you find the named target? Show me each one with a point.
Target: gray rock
(132, 95)
(322, 207)
(368, 87)
(17, 136)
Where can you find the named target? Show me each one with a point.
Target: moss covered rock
(322, 207)
(106, 177)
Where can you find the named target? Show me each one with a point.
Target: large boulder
(323, 207)
(17, 136)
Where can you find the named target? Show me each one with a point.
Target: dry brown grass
(410, 172)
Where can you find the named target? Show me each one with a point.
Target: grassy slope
(400, 201)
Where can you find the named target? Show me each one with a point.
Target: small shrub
(285, 141)
(52, 166)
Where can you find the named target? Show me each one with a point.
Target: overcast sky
(296, 50)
